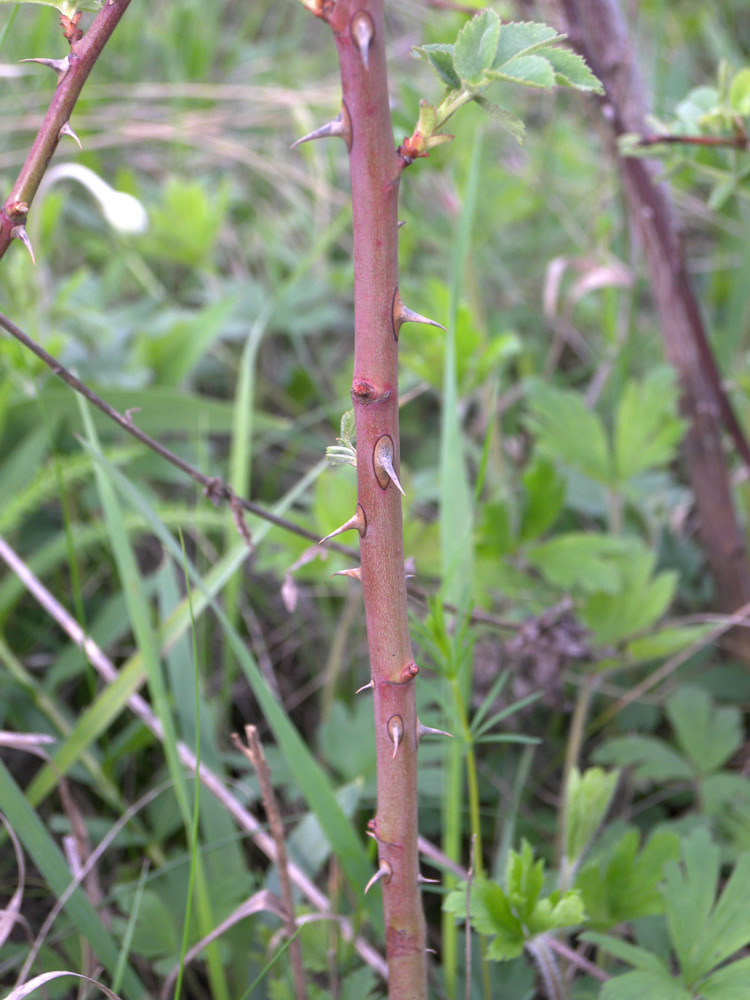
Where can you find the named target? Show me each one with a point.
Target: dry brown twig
(254, 753)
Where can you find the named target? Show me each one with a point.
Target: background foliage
(225, 329)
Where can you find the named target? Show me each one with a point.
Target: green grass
(225, 331)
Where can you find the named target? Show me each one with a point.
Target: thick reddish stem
(359, 30)
(83, 54)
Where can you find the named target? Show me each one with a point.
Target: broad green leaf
(689, 893)
(571, 70)
(621, 884)
(544, 499)
(588, 563)
(533, 71)
(730, 983)
(708, 736)
(504, 119)
(665, 642)
(640, 958)
(523, 37)
(440, 57)
(587, 800)
(176, 344)
(475, 47)
(739, 92)
(643, 598)
(651, 758)
(725, 795)
(641, 985)
(699, 102)
(568, 430)
(647, 428)
(728, 928)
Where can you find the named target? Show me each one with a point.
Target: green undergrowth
(563, 614)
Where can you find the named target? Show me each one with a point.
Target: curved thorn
(362, 31)
(403, 315)
(384, 871)
(60, 66)
(65, 129)
(365, 687)
(382, 458)
(19, 233)
(357, 521)
(355, 574)
(423, 730)
(395, 727)
(341, 126)
(421, 880)
(401, 223)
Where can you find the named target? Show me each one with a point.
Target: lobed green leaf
(475, 47)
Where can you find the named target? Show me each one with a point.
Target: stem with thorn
(72, 72)
(375, 168)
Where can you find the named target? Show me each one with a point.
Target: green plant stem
(576, 737)
(474, 818)
(375, 169)
(83, 55)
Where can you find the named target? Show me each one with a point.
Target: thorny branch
(72, 72)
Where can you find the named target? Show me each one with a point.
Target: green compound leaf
(522, 38)
(66, 7)
(475, 47)
(513, 917)
(571, 70)
(506, 120)
(739, 92)
(533, 71)
(440, 57)
(589, 796)
(524, 878)
(620, 883)
(708, 736)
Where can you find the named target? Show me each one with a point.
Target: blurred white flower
(121, 210)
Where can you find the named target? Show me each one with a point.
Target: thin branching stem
(214, 488)
(72, 72)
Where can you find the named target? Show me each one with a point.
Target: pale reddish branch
(375, 169)
(72, 72)
(598, 30)
(739, 141)
(215, 489)
(211, 781)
